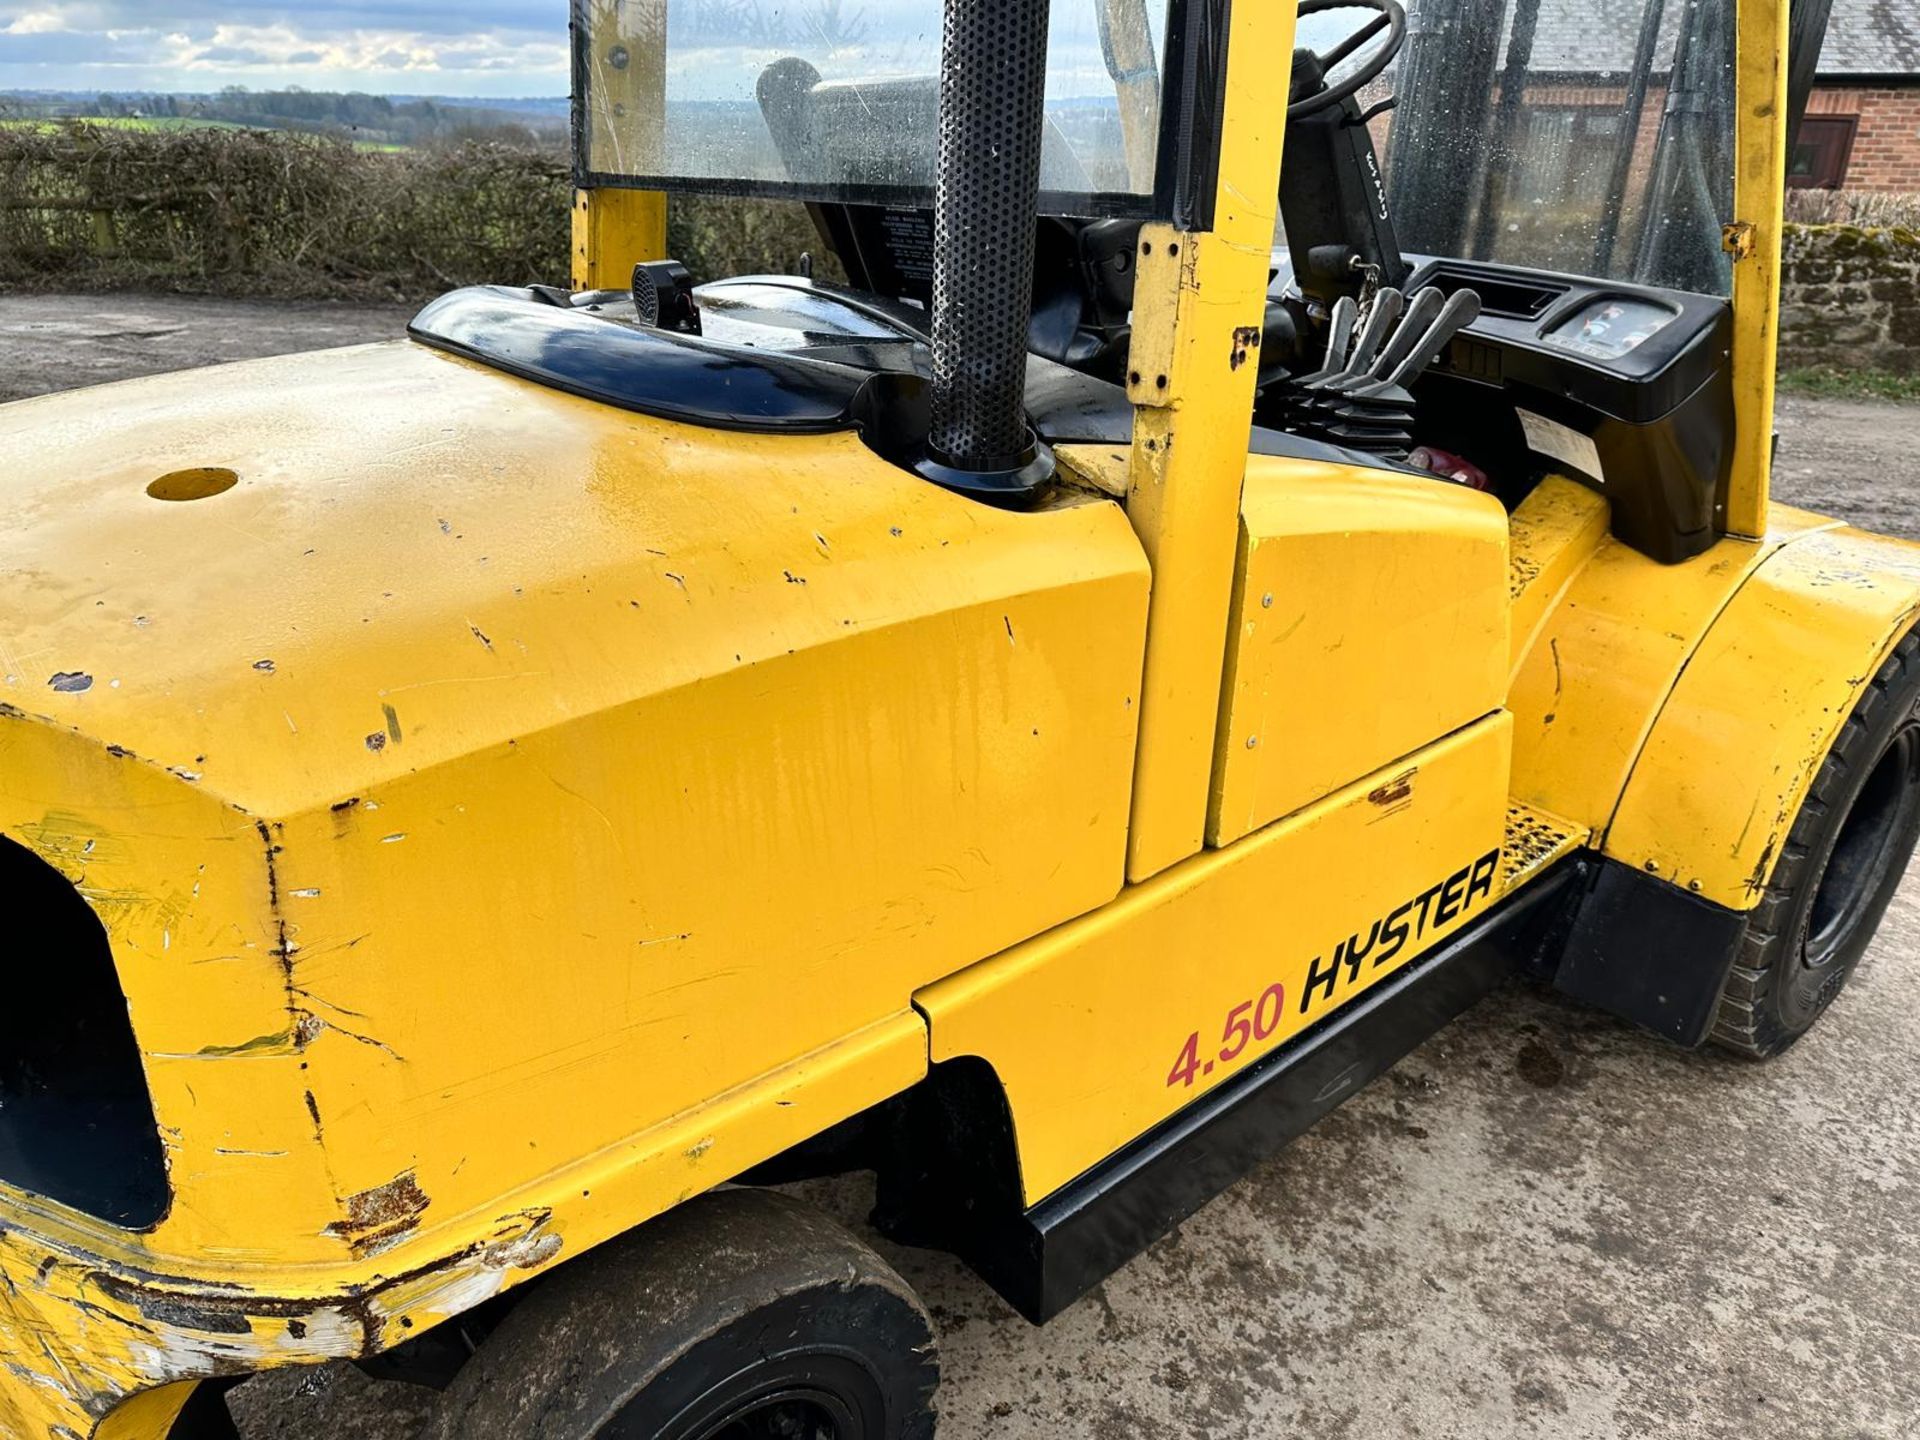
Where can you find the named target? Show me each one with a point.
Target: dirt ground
(1541, 1223)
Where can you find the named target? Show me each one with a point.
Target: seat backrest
(876, 131)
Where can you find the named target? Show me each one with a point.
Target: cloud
(475, 46)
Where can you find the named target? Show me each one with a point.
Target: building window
(1825, 149)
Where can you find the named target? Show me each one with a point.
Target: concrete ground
(1541, 1223)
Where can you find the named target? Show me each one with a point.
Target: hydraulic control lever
(1361, 397)
(1461, 310)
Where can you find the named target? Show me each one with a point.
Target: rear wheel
(1843, 860)
(739, 1316)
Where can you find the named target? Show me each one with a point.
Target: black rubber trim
(1193, 110)
(1649, 952)
(1044, 1259)
(1063, 204)
(1284, 445)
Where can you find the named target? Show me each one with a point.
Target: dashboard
(1624, 387)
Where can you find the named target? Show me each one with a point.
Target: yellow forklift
(1042, 721)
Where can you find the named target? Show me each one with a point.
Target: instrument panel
(1611, 328)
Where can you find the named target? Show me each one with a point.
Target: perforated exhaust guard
(993, 76)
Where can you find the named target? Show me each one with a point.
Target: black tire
(741, 1314)
(1843, 860)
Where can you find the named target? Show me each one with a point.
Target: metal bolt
(1253, 742)
(1266, 601)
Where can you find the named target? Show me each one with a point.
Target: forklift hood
(421, 557)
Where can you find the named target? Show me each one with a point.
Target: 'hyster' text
(1388, 939)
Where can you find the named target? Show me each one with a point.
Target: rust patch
(1245, 339)
(180, 1311)
(378, 1219)
(1396, 791)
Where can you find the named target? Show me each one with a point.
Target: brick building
(1863, 124)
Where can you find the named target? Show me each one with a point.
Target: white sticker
(1558, 442)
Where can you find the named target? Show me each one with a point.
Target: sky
(388, 47)
(450, 47)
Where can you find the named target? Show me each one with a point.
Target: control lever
(1361, 399)
(1420, 315)
(1340, 327)
(1459, 312)
(1382, 315)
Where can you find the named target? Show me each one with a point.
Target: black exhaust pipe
(993, 80)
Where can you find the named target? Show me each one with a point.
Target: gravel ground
(1540, 1223)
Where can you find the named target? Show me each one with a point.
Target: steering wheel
(1389, 17)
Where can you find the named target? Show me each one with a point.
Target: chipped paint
(1246, 340)
(1396, 791)
(380, 1218)
(134, 1330)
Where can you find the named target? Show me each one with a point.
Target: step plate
(1536, 839)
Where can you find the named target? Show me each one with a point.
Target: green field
(170, 124)
(122, 122)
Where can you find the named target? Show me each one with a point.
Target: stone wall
(1850, 297)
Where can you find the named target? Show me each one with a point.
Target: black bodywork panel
(1660, 415)
(1649, 951)
(777, 355)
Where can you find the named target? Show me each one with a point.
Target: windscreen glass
(839, 99)
(1594, 137)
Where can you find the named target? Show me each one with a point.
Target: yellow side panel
(1738, 745)
(1087, 1026)
(1606, 657)
(504, 787)
(728, 875)
(1555, 532)
(1370, 618)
